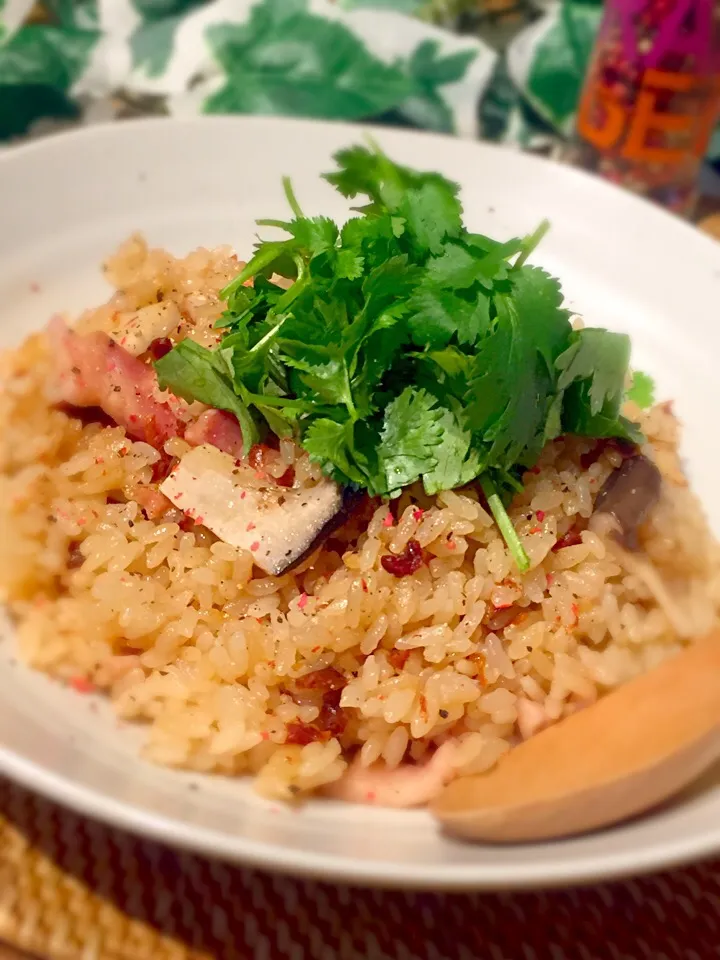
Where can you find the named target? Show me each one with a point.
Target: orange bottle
(652, 97)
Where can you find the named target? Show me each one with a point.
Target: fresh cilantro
(406, 349)
(642, 390)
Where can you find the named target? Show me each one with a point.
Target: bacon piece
(218, 428)
(95, 372)
(408, 785)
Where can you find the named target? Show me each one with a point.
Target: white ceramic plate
(66, 202)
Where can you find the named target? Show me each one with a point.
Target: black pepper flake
(293, 789)
(75, 370)
(444, 714)
(117, 388)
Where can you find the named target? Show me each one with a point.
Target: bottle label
(653, 91)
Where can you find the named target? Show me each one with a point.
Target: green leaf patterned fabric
(508, 70)
(288, 61)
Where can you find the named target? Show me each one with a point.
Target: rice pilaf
(308, 678)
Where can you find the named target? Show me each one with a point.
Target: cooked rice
(183, 633)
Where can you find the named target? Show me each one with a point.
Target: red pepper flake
(407, 563)
(81, 521)
(364, 585)
(243, 495)
(370, 796)
(534, 530)
(288, 478)
(540, 515)
(423, 705)
(575, 611)
(549, 580)
(418, 514)
(571, 539)
(302, 602)
(450, 544)
(388, 521)
(398, 658)
(82, 685)
(315, 649)
(99, 459)
(123, 452)
(265, 735)
(535, 470)
(250, 526)
(255, 545)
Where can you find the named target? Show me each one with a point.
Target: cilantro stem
(292, 199)
(530, 243)
(268, 336)
(505, 526)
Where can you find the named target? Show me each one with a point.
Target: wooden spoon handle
(631, 750)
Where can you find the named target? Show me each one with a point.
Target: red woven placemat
(71, 889)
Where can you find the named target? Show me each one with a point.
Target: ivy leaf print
(158, 9)
(428, 71)
(285, 60)
(38, 66)
(398, 6)
(152, 41)
(560, 58)
(82, 14)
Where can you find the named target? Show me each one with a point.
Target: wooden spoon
(631, 750)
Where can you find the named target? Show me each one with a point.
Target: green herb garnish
(407, 348)
(642, 390)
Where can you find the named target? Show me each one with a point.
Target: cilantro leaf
(330, 444)
(457, 463)
(601, 358)
(642, 390)
(411, 432)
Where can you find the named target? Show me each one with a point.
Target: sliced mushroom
(278, 526)
(628, 496)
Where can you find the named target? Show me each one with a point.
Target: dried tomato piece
(398, 658)
(300, 734)
(256, 457)
(407, 563)
(162, 469)
(160, 348)
(624, 448)
(333, 718)
(75, 556)
(326, 679)
(502, 618)
(288, 478)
